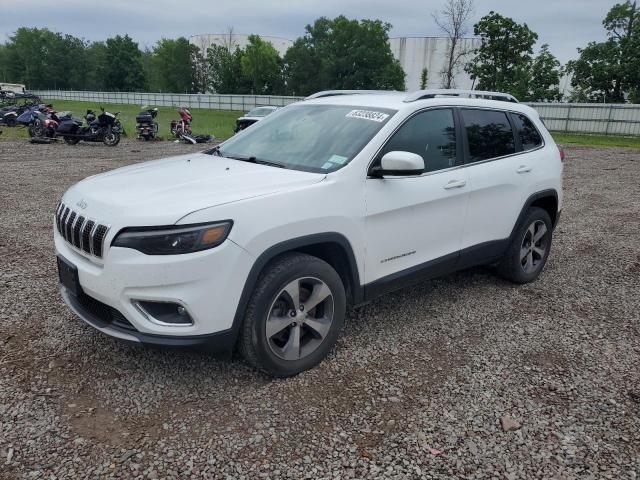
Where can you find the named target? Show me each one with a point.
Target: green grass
(218, 123)
(596, 140)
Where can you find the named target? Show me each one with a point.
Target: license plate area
(68, 274)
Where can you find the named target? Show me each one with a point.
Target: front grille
(103, 312)
(81, 232)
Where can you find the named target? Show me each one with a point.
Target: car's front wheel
(529, 249)
(294, 316)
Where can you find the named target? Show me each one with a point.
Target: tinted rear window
(526, 130)
(489, 134)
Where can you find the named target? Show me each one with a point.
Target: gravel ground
(465, 376)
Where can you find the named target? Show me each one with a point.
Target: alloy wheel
(300, 318)
(534, 246)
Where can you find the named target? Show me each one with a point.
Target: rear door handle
(524, 169)
(455, 184)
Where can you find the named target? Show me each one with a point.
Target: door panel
(415, 220)
(496, 194)
(495, 186)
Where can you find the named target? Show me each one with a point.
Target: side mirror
(399, 164)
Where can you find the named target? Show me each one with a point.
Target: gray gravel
(466, 376)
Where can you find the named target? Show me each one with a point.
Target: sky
(563, 24)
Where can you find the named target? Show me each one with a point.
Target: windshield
(260, 112)
(313, 138)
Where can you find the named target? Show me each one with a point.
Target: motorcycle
(9, 113)
(28, 115)
(146, 126)
(44, 124)
(105, 128)
(181, 129)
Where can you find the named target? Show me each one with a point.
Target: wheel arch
(545, 199)
(332, 247)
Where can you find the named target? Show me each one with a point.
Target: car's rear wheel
(529, 249)
(294, 316)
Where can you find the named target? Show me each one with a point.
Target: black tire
(36, 129)
(254, 345)
(111, 138)
(514, 266)
(71, 140)
(11, 121)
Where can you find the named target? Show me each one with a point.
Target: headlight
(173, 240)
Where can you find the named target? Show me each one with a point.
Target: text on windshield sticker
(368, 115)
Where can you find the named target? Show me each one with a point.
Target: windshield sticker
(368, 115)
(328, 165)
(337, 159)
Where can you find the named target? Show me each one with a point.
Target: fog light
(164, 313)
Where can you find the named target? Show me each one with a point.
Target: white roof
(398, 101)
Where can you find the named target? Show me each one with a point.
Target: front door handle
(524, 169)
(455, 184)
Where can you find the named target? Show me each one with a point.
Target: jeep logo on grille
(82, 204)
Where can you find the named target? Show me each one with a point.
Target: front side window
(489, 134)
(529, 135)
(430, 134)
(312, 138)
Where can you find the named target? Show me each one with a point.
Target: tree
(262, 67)
(200, 70)
(171, 66)
(424, 78)
(453, 20)
(96, 55)
(40, 58)
(225, 70)
(610, 70)
(544, 84)
(503, 60)
(3, 63)
(123, 65)
(342, 54)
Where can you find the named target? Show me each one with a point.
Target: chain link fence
(588, 118)
(591, 118)
(210, 101)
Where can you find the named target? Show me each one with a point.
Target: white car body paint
(391, 224)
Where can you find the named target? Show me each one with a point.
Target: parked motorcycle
(9, 113)
(27, 116)
(146, 126)
(45, 124)
(181, 129)
(105, 128)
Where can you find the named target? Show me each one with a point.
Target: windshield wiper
(216, 151)
(255, 160)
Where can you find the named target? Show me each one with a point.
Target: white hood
(161, 192)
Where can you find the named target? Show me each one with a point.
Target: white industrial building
(414, 54)
(417, 53)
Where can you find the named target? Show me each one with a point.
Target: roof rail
(333, 93)
(425, 94)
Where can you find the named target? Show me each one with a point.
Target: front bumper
(208, 284)
(214, 342)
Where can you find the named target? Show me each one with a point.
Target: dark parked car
(253, 116)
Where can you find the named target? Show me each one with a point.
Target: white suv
(261, 242)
